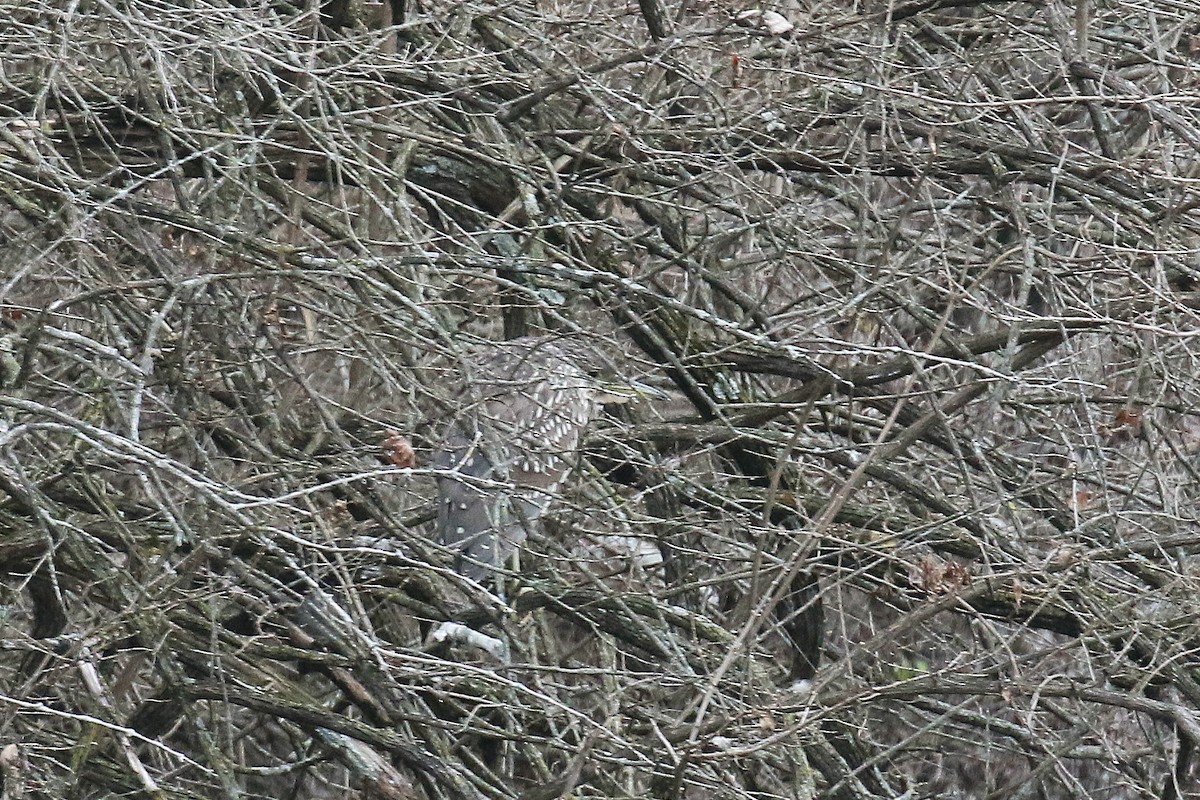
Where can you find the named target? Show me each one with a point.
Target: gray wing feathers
(470, 511)
(508, 452)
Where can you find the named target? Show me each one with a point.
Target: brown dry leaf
(955, 575)
(925, 575)
(399, 450)
(937, 577)
(1129, 418)
(1126, 425)
(270, 314)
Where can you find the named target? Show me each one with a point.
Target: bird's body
(529, 402)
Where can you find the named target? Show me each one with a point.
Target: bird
(529, 404)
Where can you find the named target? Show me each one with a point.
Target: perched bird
(508, 451)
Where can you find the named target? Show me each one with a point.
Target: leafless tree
(908, 511)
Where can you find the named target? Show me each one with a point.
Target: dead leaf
(399, 450)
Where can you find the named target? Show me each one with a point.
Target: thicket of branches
(915, 279)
